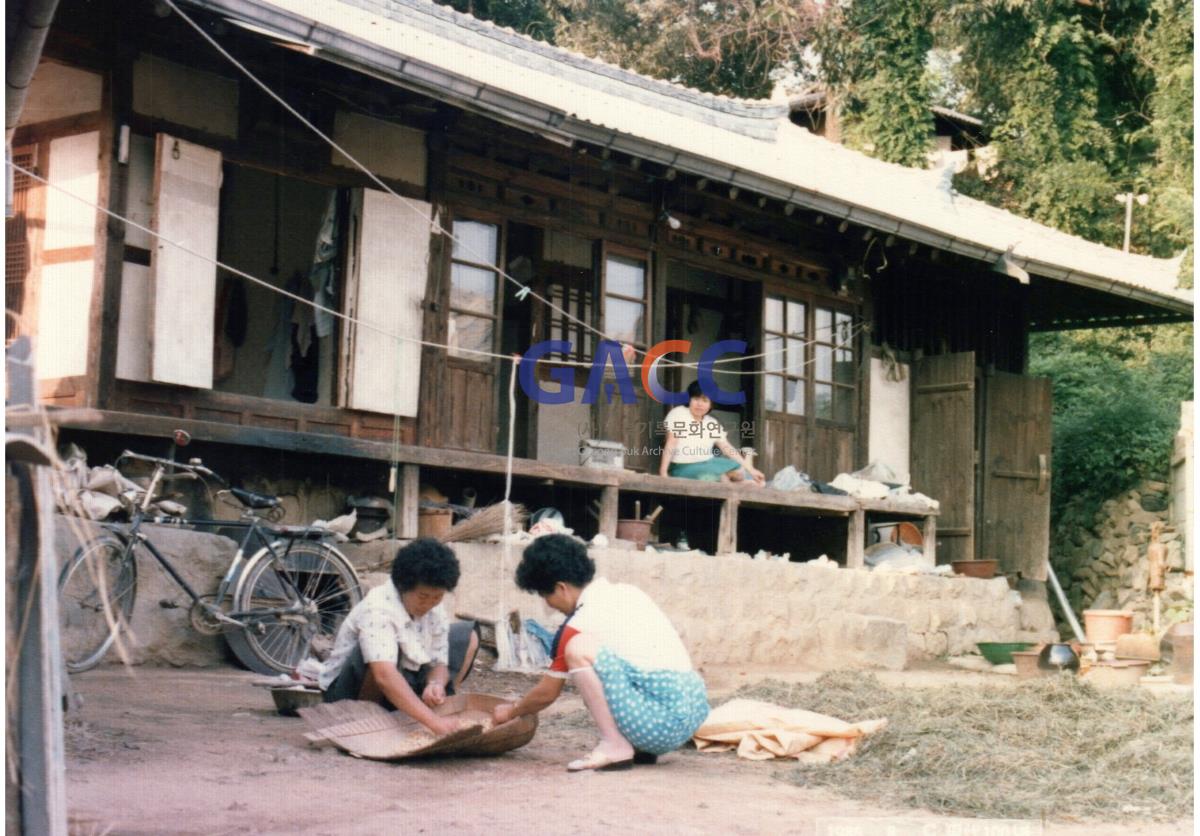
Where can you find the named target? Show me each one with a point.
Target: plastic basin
(1001, 653)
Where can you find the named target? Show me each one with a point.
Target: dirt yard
(156, 751)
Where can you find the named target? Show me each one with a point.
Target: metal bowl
(1058, 657)
(290, 699)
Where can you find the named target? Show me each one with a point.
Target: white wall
(890, 417)
(58, 91)
(384, 148)
(64, 293)
(185, 96)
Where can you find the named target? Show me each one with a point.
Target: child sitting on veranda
(620, 650)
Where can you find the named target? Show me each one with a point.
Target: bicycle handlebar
(196, 469)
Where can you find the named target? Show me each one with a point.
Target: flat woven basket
(368, 730)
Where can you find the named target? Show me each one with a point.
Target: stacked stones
(1112, 569)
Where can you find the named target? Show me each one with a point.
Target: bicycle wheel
(96, 591)
(312, 582)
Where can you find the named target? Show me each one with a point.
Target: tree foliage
(1116, 406)
(730, 47)
(1081, 99)
(873, 57)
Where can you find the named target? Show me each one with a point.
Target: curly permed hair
(553, 558)
(425, 562)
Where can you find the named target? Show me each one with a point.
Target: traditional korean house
(894, 314)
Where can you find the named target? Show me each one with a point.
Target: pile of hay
(1049, 749)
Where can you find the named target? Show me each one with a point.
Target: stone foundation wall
(161, 631)
(1111, 567)
(730, 610)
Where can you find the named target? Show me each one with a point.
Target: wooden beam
(856, 535)
(405, 524)
(727, 527)
(608, 511)
(929, 529)
(334, 445)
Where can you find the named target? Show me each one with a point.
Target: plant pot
(1102, 626)
(1027, 664)
(984, 569)
(636, 531)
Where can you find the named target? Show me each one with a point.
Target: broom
(484, 523)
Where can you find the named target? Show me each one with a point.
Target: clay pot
(1104, 626)
(637, 531)
(1177, 651)
(1027, 664)
(984, 569)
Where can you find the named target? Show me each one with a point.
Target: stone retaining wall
(730, 610)
(1111, 568)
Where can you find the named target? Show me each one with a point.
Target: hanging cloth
(323, 274)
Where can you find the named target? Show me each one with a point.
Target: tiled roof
(474, 63)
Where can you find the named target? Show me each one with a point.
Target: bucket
(1104, 626)
(638, 531)
(434, 522)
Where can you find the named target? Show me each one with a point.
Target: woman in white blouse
(691, 435)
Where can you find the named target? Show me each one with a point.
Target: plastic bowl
(1001, 653)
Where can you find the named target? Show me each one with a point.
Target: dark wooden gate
(1014, 523)
(943, 447)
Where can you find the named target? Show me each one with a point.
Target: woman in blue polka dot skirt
(622, 653)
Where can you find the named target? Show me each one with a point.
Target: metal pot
(1058, 657)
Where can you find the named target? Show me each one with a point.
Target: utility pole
(1128, 198)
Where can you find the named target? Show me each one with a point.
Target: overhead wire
(524, 289)
(854, 329)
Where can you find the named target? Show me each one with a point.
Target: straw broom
(484, 523)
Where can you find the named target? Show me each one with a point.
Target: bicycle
(271, 607)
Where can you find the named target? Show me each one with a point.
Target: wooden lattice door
(17, 246)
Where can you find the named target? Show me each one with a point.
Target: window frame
(812, 302)
(607, 251)
(495, 316)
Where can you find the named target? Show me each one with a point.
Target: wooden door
(468, 417)
(943, 447)
(1014, 519)
(385, 286)
(625, 316)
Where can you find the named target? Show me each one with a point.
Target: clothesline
(524, 289)
(366, 325)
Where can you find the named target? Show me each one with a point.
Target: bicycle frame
(254, 527)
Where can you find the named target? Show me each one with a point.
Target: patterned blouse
(384, 631)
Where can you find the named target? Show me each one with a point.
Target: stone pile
(1111, 565)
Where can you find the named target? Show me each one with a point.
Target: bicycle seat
(258, 501)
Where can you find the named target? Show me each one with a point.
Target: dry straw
(485, 522)
(1045, 749)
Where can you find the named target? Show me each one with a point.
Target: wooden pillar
(727, 527)
(406, 515)
(856, 536)
(608, 511)
(929, 529)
